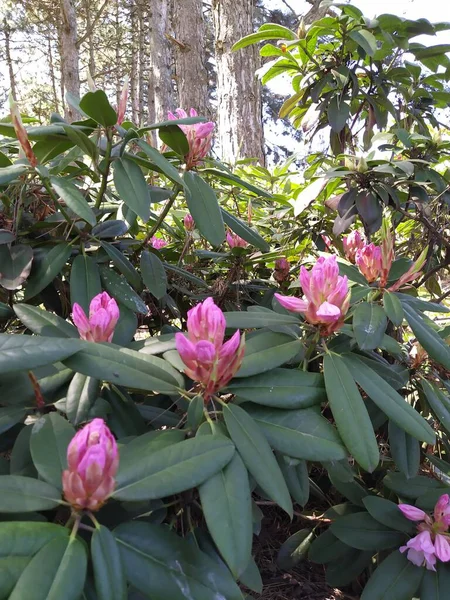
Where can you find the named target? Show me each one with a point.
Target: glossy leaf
(266, 351)
(244, 231)
(109, 573)
(427, 337)
(175, 138)
(24, 494)
(48, 268)
(161, 162)
(132, 187)
(204, 208)
(81, 395)
(96, 105)
(369, 325)
(84, 281)
(122, 263)
(393, 308)
(50, 437)
(19, 352)
(363, 532)
(73, 198)
(119, 289)
(15, 265)
(405, 450)
(44, 322)
(153, 274)
(395, 579)
(365, 40)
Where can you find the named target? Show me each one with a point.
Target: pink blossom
(282, 268)
(122, 107)
(369, 260)
(352, 243)
(21, 132)
(189, 222)
(326, 296)
(158, 243)
(103, 317)
(207, 358)
(199, 137)
(92, 460)
(432, 541)
(234, 241)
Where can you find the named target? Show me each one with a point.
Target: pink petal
(293, 304)
(328, 313)
(186, 349)
(412, 513)
(442, 548)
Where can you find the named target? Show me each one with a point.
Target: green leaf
(10, 415)
(49, 440)
(81, 395)
(195, 413)
(119, 289)
(388, 513)
(24, 494)
(132, 188)
(65, 563)
(122, 263)
(8, 174)
(81, 140)
(369, 325)
(338, 113)
(204, 208)
(393, 308)
(251, 577)
(302, 433)
(350, 413)
(257, 455)
(271, 32)
(162, 565)
(326, 548)
(19, 352)
(96, 106)
(281, 388)
(153, 274)
(16, 387)
(363, 532)
(48, 268)
(297, 480)
(174, 137)
(226, 503)
(6, 236)
(173, 469)
(43, 322)
(348, 567)
(244, 231)
(125, 367)
(410, 488)
(389, 401)
(435, 585)
(395, 579)
(15, 265)
(365, 39)
(405, 450)
(25, 539)
(294, 549)
(234, 180)
(161, 162)
(256, 319)
(109, 573)
(266, 351)
(84, 281)
(73, 198)
(427, 337)
(438, 402)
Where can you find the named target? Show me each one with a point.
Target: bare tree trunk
(160, 77)
(239, 105)
(12, 79)
(118, 43)
(51, 67)
(189, 48)
(141, 60)
(90, 39)
(69, 56)
(134, 66)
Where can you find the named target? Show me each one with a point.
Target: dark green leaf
(10, 415)
(84, 281)
(73, 198)
(348, 567)
(122, 263)
(24, 494)
(244, 231)
(153, 274)
(19, 352)
(81, 395)
(395, 579)
(161, 162)
(388, 513)
(363, 532)
(109, 574)
(50, 437)
(369, 325)
(338, 112)
(297, 480)
(81, 140)
(435, 584)
(48, 268)
(266, 351)
(132, 187)
(175, 138)
(294, 549)
(409, 488)
(8, 174)
(256, 319)
(204, 208)
(96, 106)
(326, 548)
(427, 337)
(15, 265)
(119, 289)
(365, 39)
(405, 450)
(43, 322)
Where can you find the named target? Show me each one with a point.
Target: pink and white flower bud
(369, 261)
(189, 222)
(103, 317)
(326, 296)
(282, 268)
(92, 460)
(21, 132)
(207, 358)
(158, 243)
(234, 241)
(122, 107)
(352, 243)
(199, 137)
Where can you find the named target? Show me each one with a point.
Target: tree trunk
(118, 43)
(69, 56)
(190, 56)
(160, 76)
(141, 60)
(51, 67)
(90, 39)
(239, 105)
(134, 65)
(12, 79)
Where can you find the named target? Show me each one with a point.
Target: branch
(290, 8)
(88, 32)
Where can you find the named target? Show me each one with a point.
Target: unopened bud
(301, 31)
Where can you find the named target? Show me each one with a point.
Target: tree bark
(51, 67)
(239, 105)
(12, 79)
(190, 57)
(141, 60)
(134, 65)
(70, 73)
(160, 76)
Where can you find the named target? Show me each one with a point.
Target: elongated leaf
(266, 351)
(302, 433)
(132, 187)
(110, 229)
(435, 585)
(338, 113)
(73, 198)
(24, 494)
(274, 32)
(48, 268)
(365, 40)
(256, 319)
(389, 401)
(109, 573)
(410, 488)
(369, 325)
(122, 263)
(10, 415)
(228, 177)
(8, 174)
(25, 539)
(160, 161)
(175, 138)
(297, 480)
(15, 265)
(427, 337)
(326, 548)
(294, 549)
(65, 563)
(153, 274)
(174, 469)
(350, 413)
(405, 450)
(122, 291)
(388, 513)
(96, 105)
(81, 140)
(162, 565)
(204, 207)
(44, 323)
(348, 567)
(363, 532)
(257, 455)
(244, 231)
(395, 579)
(16, 388)
(393, 308)
(439, 403)
(25, 352)
(50, 437)
(226, 503)
(84, 281)
(125, 367)
(81, 395)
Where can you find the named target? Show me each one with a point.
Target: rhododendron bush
(184, 344)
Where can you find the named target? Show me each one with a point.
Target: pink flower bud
(189, 222)
(326, 296)
(158, 243)
(199, 137)
(234, 241)
(282, 267)
(21, 132)
(368, 258)
(92, 460)
(122, 107)
(412, 513)
(206, 322)
(103, 317)
(352, 243)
